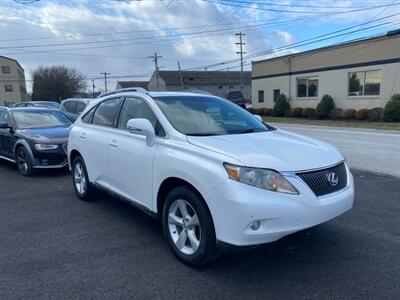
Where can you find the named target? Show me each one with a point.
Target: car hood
(277, 149)
(56, 135)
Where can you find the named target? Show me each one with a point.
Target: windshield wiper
(249, 130)
(203, 134)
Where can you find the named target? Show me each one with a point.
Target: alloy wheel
(184, 227)
(79, 178)
(22, 161)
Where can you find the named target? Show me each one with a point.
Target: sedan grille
(326, 181)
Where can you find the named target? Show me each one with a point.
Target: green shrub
(375, 114)
(336, 113)
(308, 112)
(269, 112)
(361, 114)
(392, 109)
(349, 113)
(296, 112)
(264, 111)
(281, 106)
(324, 107)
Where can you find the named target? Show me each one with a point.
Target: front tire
(24, 162)
(188, 227)
(80, 180)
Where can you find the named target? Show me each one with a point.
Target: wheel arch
(23, 143)
(167, 185)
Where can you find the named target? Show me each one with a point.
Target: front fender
(24, 143)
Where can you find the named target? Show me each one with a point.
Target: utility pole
(105, 79)
(181, 76)
(241, 52)
(93, 86)
(155, 59)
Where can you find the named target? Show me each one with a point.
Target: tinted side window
(87, 118)
(106, 112)
(80, 107)
(5, 117)
(136, 108)
(71, 108)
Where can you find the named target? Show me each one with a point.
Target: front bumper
(234, 206)
(50, 159)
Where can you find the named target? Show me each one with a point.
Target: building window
(277, 93)
(366, 83)
(5, 69)
(260, 96)
(307, 87)
(8, 88)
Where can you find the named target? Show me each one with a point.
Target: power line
(305, 42)
(297, 11)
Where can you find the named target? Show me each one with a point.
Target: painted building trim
(332, 68)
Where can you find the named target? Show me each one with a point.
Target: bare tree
(56, 83)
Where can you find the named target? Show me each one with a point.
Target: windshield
(202, 115)
(40, 119)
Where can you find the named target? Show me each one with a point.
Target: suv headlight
(261, 178)
(42, 147)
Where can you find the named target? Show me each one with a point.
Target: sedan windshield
(203, 115)
(40, 119)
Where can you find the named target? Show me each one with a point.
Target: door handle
(83, 136)
(113, 144)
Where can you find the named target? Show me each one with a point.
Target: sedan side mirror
(142, 127)
(4, 125)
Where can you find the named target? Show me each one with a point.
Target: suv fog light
(255, 225)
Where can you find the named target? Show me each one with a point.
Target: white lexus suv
(214, 174)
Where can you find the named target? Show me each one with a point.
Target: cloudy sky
(118, 36)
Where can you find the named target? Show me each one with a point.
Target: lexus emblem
(333, 179)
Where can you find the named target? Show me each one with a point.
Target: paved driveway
(54, 246)
(371, 150)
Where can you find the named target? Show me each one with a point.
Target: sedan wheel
(184, 227)
(24, 162)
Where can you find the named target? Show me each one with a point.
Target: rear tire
(83, 189)
(24, 162)
(188, 227)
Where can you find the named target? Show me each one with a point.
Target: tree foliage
(56, 83)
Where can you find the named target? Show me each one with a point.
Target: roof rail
(130, 89)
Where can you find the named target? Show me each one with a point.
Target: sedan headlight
(42, 147)
(261, 178)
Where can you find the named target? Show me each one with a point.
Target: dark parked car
(48, 104)
(73, 107)
(34, 138)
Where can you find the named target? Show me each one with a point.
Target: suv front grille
(326, 181)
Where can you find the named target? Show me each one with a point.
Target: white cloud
(284, 37)
(153, 26)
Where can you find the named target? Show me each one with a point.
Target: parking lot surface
(54, 246)
(372, 150)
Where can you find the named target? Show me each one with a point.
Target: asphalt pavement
(372, 150)
(54, 246)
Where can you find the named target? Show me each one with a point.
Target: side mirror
(258, 117)
(142, 127)
(4, 125)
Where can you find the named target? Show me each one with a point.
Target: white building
(358, 74)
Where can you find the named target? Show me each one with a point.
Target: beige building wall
(331, 66)
(12, 85)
